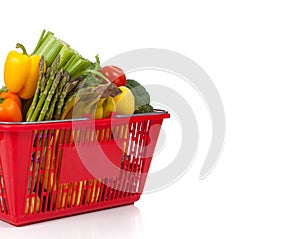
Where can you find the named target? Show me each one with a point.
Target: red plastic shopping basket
(54, 169)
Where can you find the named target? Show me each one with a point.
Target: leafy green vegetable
(144, 109)
(141, 97)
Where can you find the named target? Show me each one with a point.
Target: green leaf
(3, 89)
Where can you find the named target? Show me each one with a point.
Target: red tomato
(114, 74)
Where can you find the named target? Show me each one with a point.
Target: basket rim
(86, 120)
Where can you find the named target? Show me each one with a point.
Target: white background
(251, 51)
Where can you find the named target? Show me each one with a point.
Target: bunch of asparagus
(53, 88)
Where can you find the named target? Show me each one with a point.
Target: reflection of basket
(59, 168)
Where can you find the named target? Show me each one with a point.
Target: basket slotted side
(55, 179)
(3, 200)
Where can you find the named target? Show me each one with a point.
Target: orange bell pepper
(4, 94)
(10, 107)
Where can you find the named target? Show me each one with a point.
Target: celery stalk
(81, 68)
(70, 60)
(44, 43)
(66, 53)
(53, 52)
(49, 48)
(71, 67)
(39, 42)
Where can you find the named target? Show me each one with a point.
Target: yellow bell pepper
(21, 72)
(125, 101)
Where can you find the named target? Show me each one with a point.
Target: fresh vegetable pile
(55, 82)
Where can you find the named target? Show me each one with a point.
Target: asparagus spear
(71, 96)
(44, 79)
(72, 93)
(51, 93)
(49, 114)
(74, 84)
(62, 96)
(37, 91)
(44, 93)
(69, 86)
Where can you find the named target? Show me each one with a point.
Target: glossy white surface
(114, 223)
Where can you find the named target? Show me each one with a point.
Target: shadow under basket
(53, 169)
